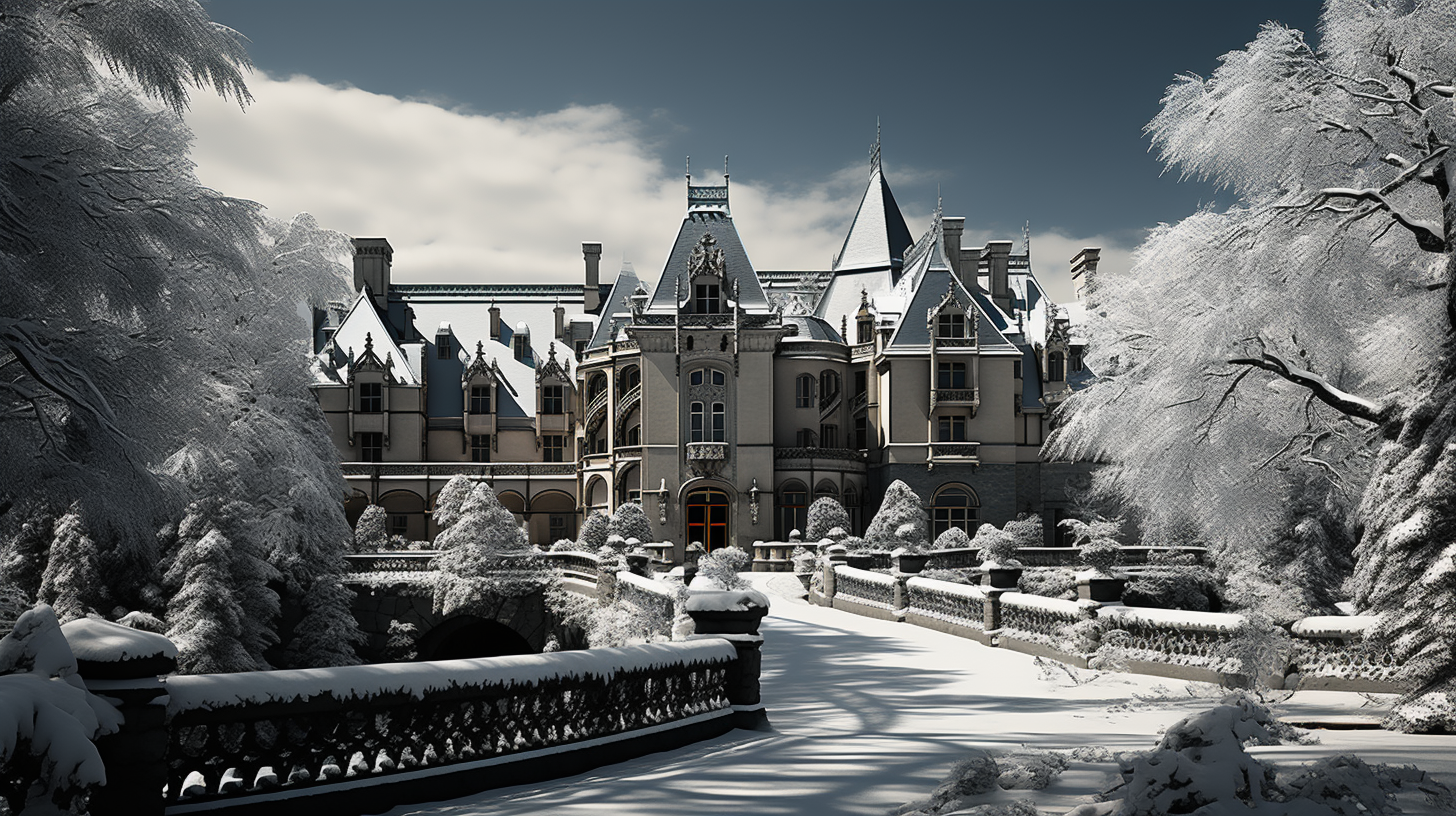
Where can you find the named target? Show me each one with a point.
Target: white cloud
(501, 198)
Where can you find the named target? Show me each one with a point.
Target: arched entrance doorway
(707, 513)
(468, 636)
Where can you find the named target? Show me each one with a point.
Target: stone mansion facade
(725, 399)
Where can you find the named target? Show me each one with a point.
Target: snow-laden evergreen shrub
(371, 532)
(25, 548)
(563, 545)
(954, 538)
(630, 522)
(899, 507)
(593, 533)
(1097, 543)
(721, 567)
(855, 544)
(1188, 587)
(825, 514)
(204, 617)
(1026, 528)
(1049, 583)
(323, 637)
(72, 578)
(402, 643)
(450, 501)
(998, 549)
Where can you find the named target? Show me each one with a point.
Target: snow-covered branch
(1323, 390)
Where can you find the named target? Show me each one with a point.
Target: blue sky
(543, 115)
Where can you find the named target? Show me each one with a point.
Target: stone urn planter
(862, 561)
(726, 612)
(1003, 577)
(910, 563)
(1104, 589)
(639, 563)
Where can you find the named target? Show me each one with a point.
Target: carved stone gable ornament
(707, 258)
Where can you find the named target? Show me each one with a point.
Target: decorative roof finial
(875, 151)
(368, 343)
(725, 168)
(479, 348)
(843, 326)
(939, 209)
(864, 297)
(1026, 239)
(688, 165)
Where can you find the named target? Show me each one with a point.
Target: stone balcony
(707, 451)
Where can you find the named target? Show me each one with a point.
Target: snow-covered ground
(870, 714)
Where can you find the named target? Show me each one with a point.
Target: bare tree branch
(1341, 400)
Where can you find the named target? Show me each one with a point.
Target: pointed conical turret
(878, 237)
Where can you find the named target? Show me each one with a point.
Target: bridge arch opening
(468, 636)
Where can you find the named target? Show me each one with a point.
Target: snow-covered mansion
(725, 399)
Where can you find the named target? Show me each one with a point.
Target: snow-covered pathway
(869, 714)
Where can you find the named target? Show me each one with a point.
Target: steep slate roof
(841, 300)
(736, 263)
(364, 320)
(926, 279)
(615, 303)
(811, 328)
(878, 236)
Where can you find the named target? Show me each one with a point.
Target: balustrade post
(739, 627)
(835, 554)
(127, 665)
(991, 610)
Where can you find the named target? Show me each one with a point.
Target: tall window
(806, 438)
(596, 386)
(705, 298)
(953, 507)
(1016, 369)
(444, 349)
(1056, 368)
(950, 325)
(520, 344)
(552, 401)
(950, 375)
(480, 447)
(804, 391)
(861, 382)
(634, 436)
(861, 433)
(398, 524)
(953, 428)
(371, 447)
(631, 379)
(479, 399)
(371, 398)
(719, 422)
(828, 385)
(553, 448)
(556, 527)
(793, 510)
(1074, 359)
(695, 416)
(829, 436)
(864, 330)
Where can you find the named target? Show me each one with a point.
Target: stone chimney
(560, 312)
(999, 253)
(952, 228)
(1084, 270)
(592, 297)
(372, 259)
(494, 321)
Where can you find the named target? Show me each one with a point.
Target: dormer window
(865, 330)
(479, 399)
(444, 349)
(371, 398)
(1056, 367)
(552, 400)
(950, 325)
(706, 298)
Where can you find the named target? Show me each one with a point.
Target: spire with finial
(368, 343)
(725, 168)
(844, 326)
(864, 297)
(1026, 241)
(875, 150)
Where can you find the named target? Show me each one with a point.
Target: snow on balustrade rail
(583, 566)
(960, 604)
(481, 469)
(1334, 646)
(864, 587)
(1201, 639)
(1035, 619)
(238, 735)
(409, 561)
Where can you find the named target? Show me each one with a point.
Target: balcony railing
(487, 469)
(841, 454)
(955, 396)
(860, 402)
(954, 450)
(707, 451)
(862, 351)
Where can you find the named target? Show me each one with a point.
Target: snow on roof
(362, 323)
(841, 300)
(877, 237)
(615, 303)
(811, 328)
(926, 280)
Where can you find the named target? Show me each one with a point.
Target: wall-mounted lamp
(753, 502)
(661, 492)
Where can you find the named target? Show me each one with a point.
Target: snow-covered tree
(204, 617)
(485, 558)
(1097, 542)
(1026, 528)
(824, 515)
(72, 581)
(325, 637)
(1234, 342)
(371, 531)
(25, 548)
(954, 538)
(899, 507)
(628, 521)
(451, 500)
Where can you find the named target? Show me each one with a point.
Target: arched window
(720, 415)
(826, 488)
(804, 391)
(1056, 367)
(634, 436)
(828, 385)
(631, 378)
(595, 386)
(954, 506)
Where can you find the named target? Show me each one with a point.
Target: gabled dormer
(478, 386)
(555, 407)
(369, 381)
(953, 321)
(707, 289)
